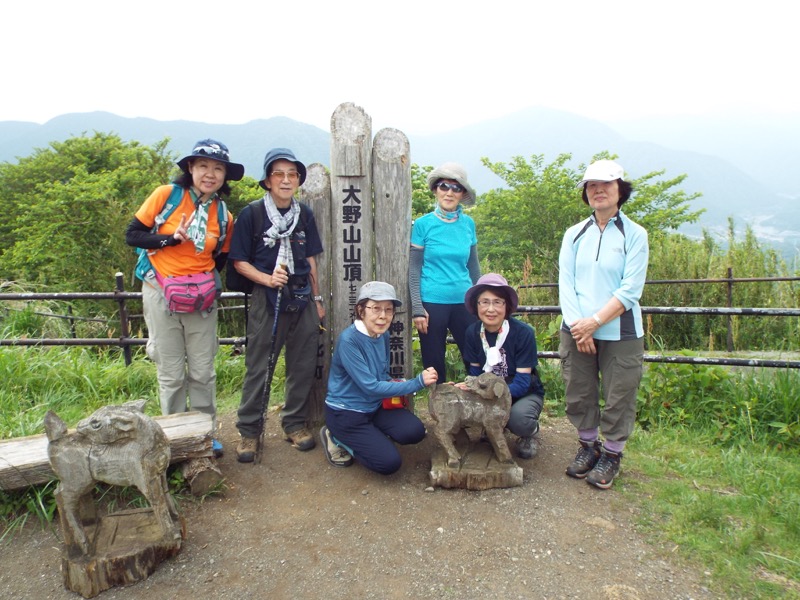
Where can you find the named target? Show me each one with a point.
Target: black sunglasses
(456, 187)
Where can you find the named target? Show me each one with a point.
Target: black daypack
(235, 281)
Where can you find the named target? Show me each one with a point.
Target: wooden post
(352, 254)
(316, 193)
(391, 181)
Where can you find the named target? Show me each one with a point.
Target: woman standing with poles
(281, 264)
(270, 373)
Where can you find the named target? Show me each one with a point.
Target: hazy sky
(420, 66)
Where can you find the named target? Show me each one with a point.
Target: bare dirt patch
(296, 527)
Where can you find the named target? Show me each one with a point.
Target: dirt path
(295, 527)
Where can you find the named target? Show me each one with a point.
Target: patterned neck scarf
(495, 355)
(281, 230)
(448, 215)
(198, 227)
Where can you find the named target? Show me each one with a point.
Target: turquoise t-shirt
(445, 276)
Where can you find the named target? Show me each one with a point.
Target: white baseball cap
(602, 170)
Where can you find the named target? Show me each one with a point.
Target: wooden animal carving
(119, 445)
(484, 407)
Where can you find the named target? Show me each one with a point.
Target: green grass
(733, 510)
(714, 466)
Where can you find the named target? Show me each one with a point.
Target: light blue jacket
(595, 265)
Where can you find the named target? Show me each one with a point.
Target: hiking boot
(605, 470)
(336, 455)
(246, 450)
(527, 446)
(585, 460)
(301, 439)
(216, 448)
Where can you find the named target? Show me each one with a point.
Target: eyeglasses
(378, 310)
(486, 303)
(280, 175)
(456, 187)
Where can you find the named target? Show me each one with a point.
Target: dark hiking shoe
(585, 460)
(527, 447)
(602, 476)
(336, 455)
(301, 439)
(246, 450)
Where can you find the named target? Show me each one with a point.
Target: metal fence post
(124, 328)
(730, 305)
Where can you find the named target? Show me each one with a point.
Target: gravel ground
(296, 527)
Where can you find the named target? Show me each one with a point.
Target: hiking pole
(271, 360)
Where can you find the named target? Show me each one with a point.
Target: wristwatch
(316, 298)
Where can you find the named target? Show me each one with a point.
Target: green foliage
(422, 198)
(16, 507)
(678, 394)
(734, 510)
(526, 221)
(740, 407)
(85, 380)
(676, 257)
(69, 206)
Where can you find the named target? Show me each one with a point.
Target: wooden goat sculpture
(119, 445)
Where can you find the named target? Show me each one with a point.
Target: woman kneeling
(356, 423)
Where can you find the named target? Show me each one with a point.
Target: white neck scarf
(282, 228)
(493, 355)
(198, 228)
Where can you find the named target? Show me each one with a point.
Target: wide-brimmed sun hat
(377, 291)
(456, 172)
(492, 282)
(214, 150)
(281, 154)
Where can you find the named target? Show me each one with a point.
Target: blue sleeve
(567, 297)
(525, 357)
(475, 370)
(419, 232)
(524, 345)
(520, 385)
(635, 272)
(369, 383)
(473, 350)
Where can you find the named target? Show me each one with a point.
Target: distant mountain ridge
(733, 182)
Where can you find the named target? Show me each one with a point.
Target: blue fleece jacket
(359, 376)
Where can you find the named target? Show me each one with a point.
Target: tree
(524, 223)
(422, 198)
(69, 206)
